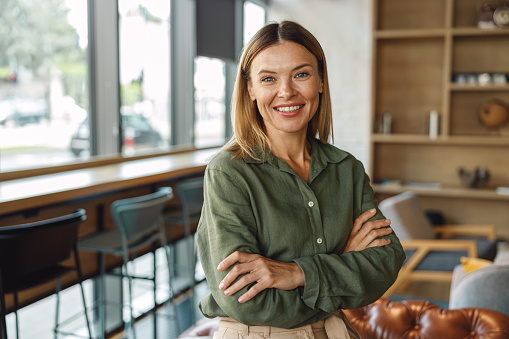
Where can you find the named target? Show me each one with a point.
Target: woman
(290, 232)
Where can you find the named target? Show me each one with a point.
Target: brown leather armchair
(413, 319)
(421, 319)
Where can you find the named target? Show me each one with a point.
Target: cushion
(473, 264)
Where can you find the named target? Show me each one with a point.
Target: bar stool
(33, 254)
(139, 224)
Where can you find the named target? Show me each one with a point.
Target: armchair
(433, 252)
(485, 287)
(386, 319)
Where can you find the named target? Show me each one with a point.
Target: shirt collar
(321, 154)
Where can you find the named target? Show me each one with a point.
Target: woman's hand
(267, 273)
(367, 233)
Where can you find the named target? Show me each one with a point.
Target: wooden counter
(23, 194)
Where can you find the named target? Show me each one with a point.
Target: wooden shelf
(449, 140)
(417, 47)
(410, 33)
(450, 192)
(474, 31)
(478, 88)
(405, 138)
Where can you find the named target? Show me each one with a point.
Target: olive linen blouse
(266, 208)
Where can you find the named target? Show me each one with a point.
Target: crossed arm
(267, 273)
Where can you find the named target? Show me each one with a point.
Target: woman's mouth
(288, 109)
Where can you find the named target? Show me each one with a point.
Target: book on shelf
(391, 182)
(502, 190)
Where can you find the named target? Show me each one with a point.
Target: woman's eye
(301, 75)
(268, 79)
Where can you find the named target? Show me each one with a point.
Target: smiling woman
(290, 231)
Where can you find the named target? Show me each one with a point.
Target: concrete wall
(344, 29)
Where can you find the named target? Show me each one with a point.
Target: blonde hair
(247, 122)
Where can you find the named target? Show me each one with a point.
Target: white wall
(344, 29)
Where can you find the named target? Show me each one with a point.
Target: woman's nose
(286, 89)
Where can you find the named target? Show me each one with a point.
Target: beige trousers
(336, 326)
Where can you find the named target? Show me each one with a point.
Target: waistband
(334, 326)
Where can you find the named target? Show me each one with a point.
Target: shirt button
(319, 240)
(311, 204)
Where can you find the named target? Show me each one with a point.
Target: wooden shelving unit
(418, 48)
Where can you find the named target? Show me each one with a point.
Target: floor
(167, 327)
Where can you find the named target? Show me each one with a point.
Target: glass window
(43, 81)
(144, 33)
(209, 102)
(254, 19)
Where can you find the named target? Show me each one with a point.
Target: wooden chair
(432, 251)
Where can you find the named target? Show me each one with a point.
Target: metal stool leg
(80, 277)
(130, 324)
(154, 291)
(3, 312)
(57, 311)
(166, 248)
(16, 313)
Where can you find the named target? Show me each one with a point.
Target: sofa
(484, 286)
(421, 319)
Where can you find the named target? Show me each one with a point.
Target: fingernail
(388, 221)
(220, 266)
(241, 299)
(221, 286)
(372, 210)
(227, 292)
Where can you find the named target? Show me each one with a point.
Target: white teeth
(288, 108)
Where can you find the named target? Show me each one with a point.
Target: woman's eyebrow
(273, 72)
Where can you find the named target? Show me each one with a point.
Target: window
(59, 100)
(254, 19)
(43, 81)
(144, 74)
(209, 96)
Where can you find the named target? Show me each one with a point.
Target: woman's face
(285, 82)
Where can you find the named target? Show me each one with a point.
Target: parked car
(22, 111)
(138, 133)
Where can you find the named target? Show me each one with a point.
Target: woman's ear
(250, 90)
(320, 87)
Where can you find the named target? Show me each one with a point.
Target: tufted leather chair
(414, 319)
(421, 319)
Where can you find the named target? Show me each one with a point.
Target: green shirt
(267, 209)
